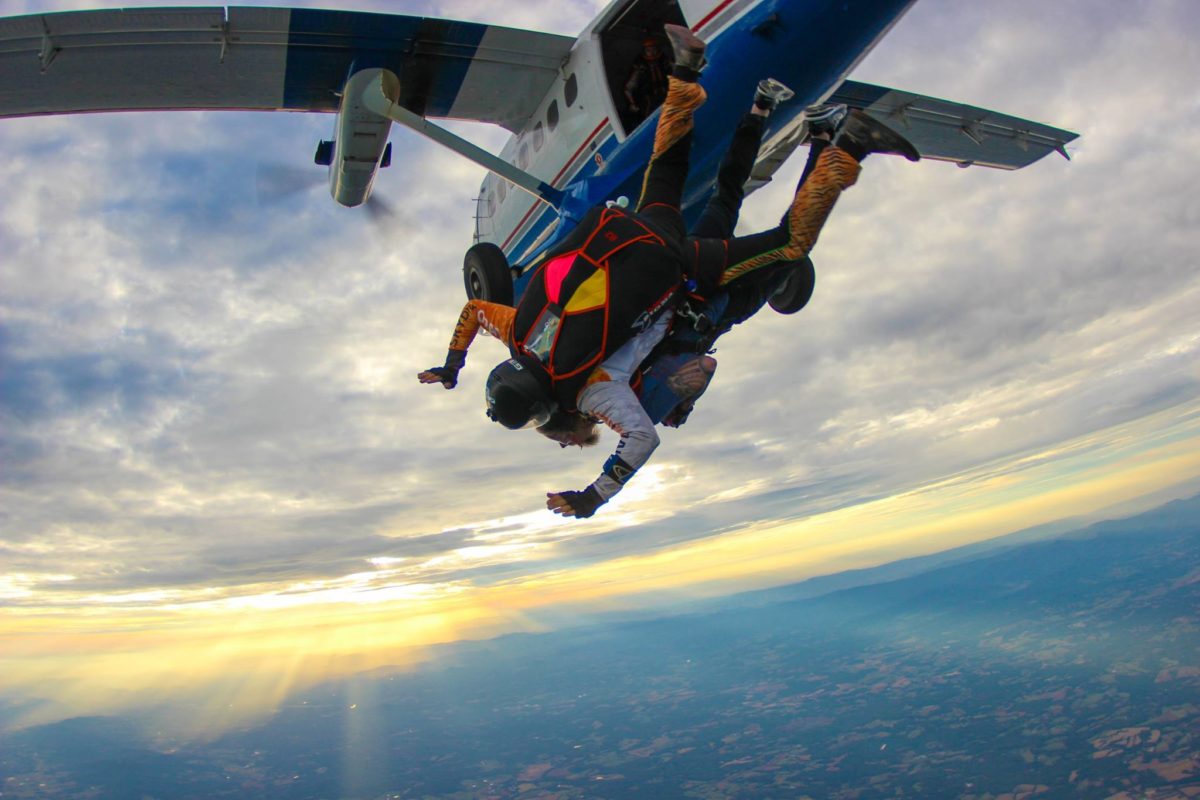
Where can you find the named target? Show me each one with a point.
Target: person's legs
(720, 214)
(726, 306)
(717, 263)
(815, 148)
(823, 122)
(674, 380)
(797, 233)
(748, 295)
(662, 186)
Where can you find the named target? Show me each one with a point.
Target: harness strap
(566, 277)
(602, 244)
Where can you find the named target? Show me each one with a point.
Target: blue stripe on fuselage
(323, 46)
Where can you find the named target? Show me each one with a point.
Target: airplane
(575, 142)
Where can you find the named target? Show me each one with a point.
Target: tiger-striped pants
(714, 263)
(662, 186)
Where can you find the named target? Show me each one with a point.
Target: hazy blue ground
(1066, 668)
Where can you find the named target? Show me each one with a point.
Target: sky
(220, 480)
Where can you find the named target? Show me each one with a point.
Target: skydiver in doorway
(646, 87)
(574, 341)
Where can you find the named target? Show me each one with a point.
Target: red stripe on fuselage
(575, 155)
(554, 180)
(711, 14)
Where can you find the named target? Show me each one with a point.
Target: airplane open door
(622, 46)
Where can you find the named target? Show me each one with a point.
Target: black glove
(585, 503)
(455, 359)
(679, 414)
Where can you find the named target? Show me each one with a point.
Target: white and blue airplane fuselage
(591, 157)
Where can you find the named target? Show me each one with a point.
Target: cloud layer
(205, 393)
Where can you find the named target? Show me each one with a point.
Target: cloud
(203, 391)
(1001, 304)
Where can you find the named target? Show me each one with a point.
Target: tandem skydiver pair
(601, 301)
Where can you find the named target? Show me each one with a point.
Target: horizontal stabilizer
(948, 131)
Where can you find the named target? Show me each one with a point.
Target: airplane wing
(941, 130)
(948, 131)
(269, 59)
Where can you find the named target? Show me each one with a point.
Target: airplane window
(523, 156)
(539, 137)
(502, 190)
(571, 90)
(491, 204)
(552, 115)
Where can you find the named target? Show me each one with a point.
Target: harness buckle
(698, 322)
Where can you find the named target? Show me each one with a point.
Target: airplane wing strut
(380, 97)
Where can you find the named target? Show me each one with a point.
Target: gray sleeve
(615, 404)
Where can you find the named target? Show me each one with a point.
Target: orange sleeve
(494, 318)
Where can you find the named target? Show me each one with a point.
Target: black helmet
(518, 393)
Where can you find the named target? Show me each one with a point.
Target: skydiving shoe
(825, 118)
(688, 383)
(691, 379)
(687, 47)
(862, 134)
(771, 93)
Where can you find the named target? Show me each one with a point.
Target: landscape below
(1063, 668)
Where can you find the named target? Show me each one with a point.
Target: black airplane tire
(797, 288)
(486, 275)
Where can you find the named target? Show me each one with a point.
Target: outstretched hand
(559, 504)
(580, 505)
(446, 376)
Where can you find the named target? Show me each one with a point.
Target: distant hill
(1055, 559)
(1177, 512)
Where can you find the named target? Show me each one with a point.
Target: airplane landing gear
(486, 274)
(797, 288)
